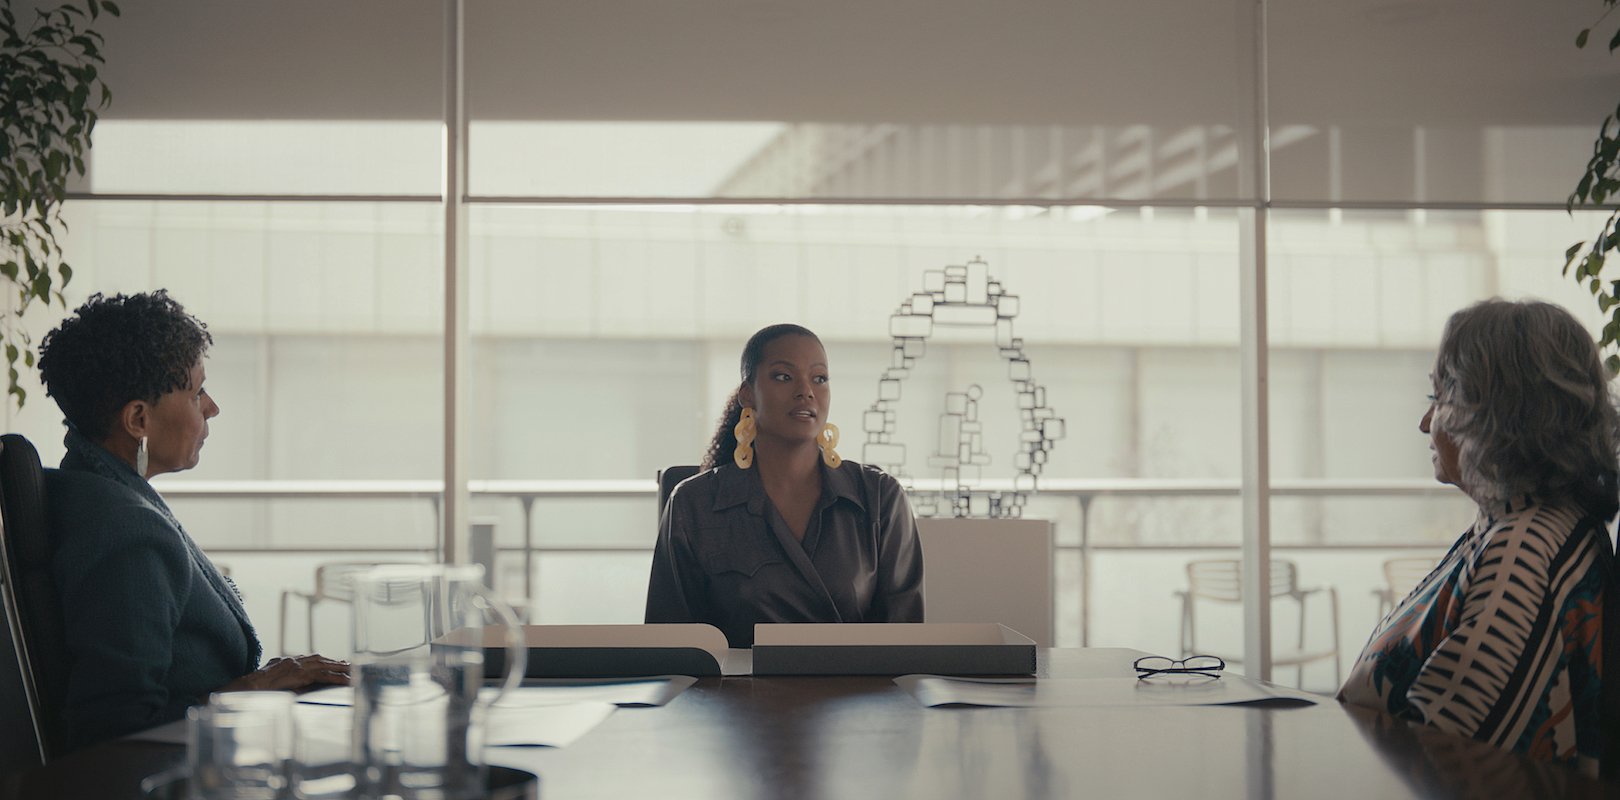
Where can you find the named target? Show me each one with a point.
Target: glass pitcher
(418, 664)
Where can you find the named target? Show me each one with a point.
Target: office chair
(1221, 581)
(668, 478)
(19, 741)
(34, 610)
(1609, 693)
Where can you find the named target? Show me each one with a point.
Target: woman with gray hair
(1502, 641)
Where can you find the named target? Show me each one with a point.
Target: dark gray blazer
(151, 625)
(727, 558)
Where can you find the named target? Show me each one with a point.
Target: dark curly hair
(113, 350)
(723, 444)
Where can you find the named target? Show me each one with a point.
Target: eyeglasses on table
(1150, 666)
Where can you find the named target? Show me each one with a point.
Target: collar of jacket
(102, 462)
(83, 453)
(735, 487)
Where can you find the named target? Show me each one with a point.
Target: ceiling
(1102, 62)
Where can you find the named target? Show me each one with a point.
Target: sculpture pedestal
(989, 570)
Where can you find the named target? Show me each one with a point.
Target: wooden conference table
(863, 737)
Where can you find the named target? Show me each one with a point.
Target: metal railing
(1083, 492)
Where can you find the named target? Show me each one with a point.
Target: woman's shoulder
(871, 480)
(74, 489)
(869, 472)
(1530, 514)
(83, 504)
(1538, 527)
(704, 479)
(698, 488)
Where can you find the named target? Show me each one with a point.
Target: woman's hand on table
(290, 674)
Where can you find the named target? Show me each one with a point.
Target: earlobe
(745, 396)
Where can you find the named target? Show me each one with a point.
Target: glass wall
(607, 341)
(327, 366)
(648, 188)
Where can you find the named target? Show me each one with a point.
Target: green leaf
(1613, 364)
(1569, 255)
(1580, 38)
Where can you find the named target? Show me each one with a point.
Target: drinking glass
(418, 664)
(238, 746)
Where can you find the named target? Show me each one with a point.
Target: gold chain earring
(827, 441)
(744, 455)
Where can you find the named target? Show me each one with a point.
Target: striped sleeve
(1486, 677)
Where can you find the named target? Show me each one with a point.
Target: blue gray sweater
(151, 625)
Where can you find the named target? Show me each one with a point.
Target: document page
(537, 726)
(1162, 690)
(553, 691)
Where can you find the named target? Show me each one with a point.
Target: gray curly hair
(1520, 388)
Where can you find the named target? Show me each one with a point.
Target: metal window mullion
(453, 509)
(1255, 390)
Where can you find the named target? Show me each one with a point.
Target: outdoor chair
(1401, 576)
(1221, 581)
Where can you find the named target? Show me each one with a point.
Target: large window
(647, 188)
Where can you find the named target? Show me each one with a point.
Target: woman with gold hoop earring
(778, 527)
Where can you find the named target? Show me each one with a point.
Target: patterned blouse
(1503, 641)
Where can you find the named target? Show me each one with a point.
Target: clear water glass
(238, 747)
(418, 663)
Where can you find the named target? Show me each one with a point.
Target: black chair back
(1609, 694)
(36, 624)
(19, 742)
(667, 480)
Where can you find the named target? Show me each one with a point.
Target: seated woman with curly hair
(150, 625)
(1502, 641)
(778, 527)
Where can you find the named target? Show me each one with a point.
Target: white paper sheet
(1162, 690)
(555, 725)
(170, 733)
(545, 726)
(553, 691)
(535, 726)
(327, 726)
